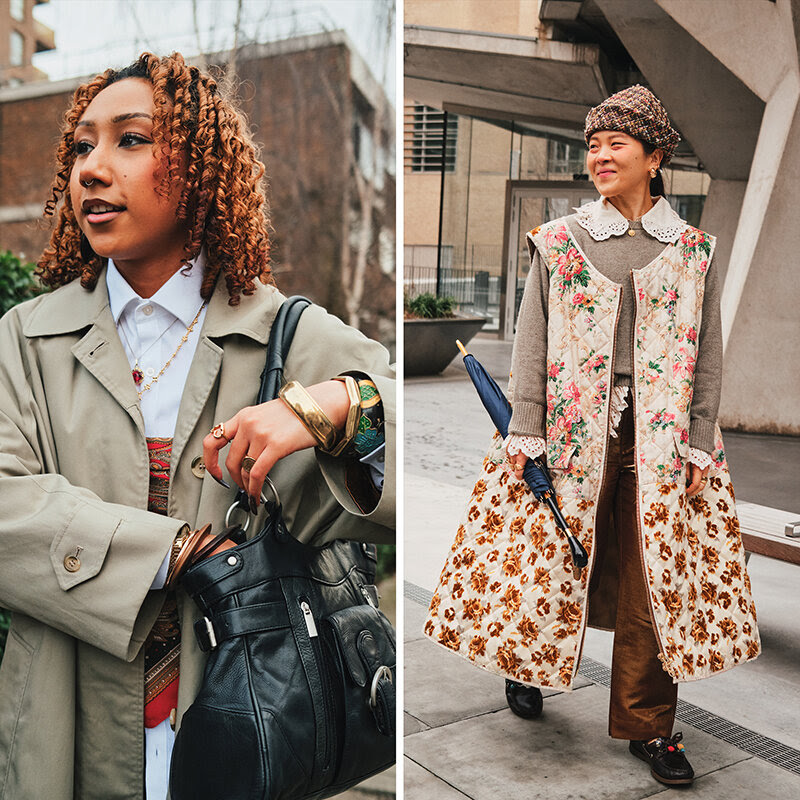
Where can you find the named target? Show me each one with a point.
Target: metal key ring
(382, 672)
(265, 500)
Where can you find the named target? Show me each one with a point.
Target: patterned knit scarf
(162, 648)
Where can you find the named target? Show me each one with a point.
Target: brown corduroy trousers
(643, 696)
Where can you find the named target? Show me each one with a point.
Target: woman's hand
(516, 463)
(267, 433)
(696, 479)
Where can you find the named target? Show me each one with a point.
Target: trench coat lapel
(99, 350)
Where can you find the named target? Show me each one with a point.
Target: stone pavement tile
(413, 619)
(432, 514)
(567, 754)
(418, 782)
(441, 688)
(413, 725)
(752, 779)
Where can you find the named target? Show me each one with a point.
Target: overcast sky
(92, 35)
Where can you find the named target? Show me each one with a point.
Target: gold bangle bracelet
(354, 412)
(307, 410)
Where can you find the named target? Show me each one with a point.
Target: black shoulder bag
(298, 697)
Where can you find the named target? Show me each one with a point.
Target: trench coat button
(72, 563)
(173, 715)
(198, 467)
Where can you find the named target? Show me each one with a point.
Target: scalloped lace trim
(602, 220)
(700, 457)
(532, 446)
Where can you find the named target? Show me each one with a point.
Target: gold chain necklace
(136, 373)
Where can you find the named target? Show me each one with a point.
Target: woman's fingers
(517, 463)
(694, 477)
(258, 437)
(221, 436)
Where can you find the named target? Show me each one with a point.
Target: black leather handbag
(298, 695)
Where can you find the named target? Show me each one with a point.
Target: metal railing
(475, 285)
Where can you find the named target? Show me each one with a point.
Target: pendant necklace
(137, 374)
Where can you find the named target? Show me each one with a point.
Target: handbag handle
(280, 340)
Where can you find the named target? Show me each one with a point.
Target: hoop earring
(87, 254)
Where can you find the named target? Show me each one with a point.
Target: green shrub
(17, 282)
(429, 306)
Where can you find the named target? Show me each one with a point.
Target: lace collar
(602, 220)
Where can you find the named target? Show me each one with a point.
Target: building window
(423, 139)
(18, 10)
(565, 159)
(17, 49)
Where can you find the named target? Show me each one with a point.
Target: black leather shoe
(524, 701)
(667, 759)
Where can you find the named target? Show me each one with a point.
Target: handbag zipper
(327, 689)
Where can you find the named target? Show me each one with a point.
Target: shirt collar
(602, 220)
(180, 295)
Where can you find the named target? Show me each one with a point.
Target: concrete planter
(430, 344)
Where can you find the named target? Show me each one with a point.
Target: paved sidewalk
(461, 741)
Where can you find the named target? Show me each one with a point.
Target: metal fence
(474, 283)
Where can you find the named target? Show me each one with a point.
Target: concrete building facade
(728, 73)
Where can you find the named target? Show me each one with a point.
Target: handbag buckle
(204, 633)
(382, 672)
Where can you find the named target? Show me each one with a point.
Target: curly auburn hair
(223, 190)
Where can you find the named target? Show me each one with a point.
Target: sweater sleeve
(529, 359)
(708, 368)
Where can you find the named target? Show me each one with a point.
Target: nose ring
(87, 184)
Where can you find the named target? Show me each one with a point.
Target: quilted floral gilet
(508, 598)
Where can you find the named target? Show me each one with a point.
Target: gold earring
(652, 172)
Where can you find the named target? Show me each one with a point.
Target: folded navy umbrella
(535, 473)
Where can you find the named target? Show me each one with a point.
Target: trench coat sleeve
(45, 520)
(529, 359)
(323, 348)
(708, 368)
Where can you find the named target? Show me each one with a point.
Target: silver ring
(87, 184)
(235, 506)
(382, 672)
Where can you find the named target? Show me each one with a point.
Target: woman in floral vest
(615, 381)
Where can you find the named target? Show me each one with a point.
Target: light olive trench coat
(74, 473)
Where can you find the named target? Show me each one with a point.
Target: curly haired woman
(109, 385)
(616, 382)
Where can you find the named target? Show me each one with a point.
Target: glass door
(528, 204)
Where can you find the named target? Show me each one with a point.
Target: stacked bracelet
(316, 421)
(364, 425)
(369, 434)
(184, 547)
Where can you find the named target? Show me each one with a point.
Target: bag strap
(280, 340)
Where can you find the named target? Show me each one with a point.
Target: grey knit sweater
(614, 258)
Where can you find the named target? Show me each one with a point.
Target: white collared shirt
(602, 220)
(150, 330)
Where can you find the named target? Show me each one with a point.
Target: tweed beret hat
(638, 112)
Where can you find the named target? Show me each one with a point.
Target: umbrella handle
(462, 348)
(580, 558)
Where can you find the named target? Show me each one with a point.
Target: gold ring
(248, 462)
(218, 432)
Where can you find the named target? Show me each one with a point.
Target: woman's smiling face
(120, 210)
(618, 164)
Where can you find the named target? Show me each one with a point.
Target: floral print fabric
(508, 598)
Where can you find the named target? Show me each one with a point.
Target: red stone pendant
(138, 376)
